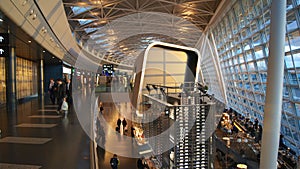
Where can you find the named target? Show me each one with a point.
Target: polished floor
(122, 146)
(37, 137)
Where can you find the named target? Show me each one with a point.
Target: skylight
(83, 22)
(78, 10)
(88, 30)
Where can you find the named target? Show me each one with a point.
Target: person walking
(119, 124)
(61, 93)
(124, 123)
(65, 107)
(69, 91)
(51, 90)
(101, 108)
(114, 162)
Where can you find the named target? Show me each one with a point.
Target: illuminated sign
(4, 39)
(4, 51)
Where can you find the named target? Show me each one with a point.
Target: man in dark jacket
(61, 93)
(51, 90)
(69, 91)
(114, 162)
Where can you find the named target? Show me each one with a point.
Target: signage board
(4, 51)
(4, 38)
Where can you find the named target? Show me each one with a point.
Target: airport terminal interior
(149, 84)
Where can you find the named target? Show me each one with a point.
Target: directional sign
(4, 51)
(4, 38)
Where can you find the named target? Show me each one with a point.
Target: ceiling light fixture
(31, 12)
(44, 30)
(96, 1)
(24, 2)
(44, 51)
(34, 16)
(103, 21)
(94, 13)
(81, 3)
(1, 20)
(29, 41)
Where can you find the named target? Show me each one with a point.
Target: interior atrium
(189, 76)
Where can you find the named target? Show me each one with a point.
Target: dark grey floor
(69, 147)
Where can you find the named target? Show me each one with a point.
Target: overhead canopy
(119, 30)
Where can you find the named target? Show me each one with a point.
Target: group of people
(61, 94)
(124, 124)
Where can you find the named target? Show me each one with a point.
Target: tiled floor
(36, 137)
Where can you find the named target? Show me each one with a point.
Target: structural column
(11, 97)
(272, 114)
(41, 78)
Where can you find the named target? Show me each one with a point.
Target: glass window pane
(251, 66)
(241, 59)
(266, 34)
(294, 39)
(254, 26)
(263, 77)
(297, 105)
(245, 77)
(296, 94)
(297, 60)
(286, 45)
(238, 49)
(246, 45)
(258, 52)
(291, 22)
(235, 61)
(266, 18)
(236, 68)
(292, 77)
(243, 68)
(244, 34)
(288, 61)
(261, 65)
(285, 92)
(256, 39)
(264, 87)
(256, 87)
(289, 5)
(249, 56)
(287, 106)
(253, 77)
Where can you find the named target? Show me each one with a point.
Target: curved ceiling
(118, 30)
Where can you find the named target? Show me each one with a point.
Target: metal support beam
(273, 105)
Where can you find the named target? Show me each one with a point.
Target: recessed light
(44, 51)
(1, 20)
(29, 41)
(24, 3)
(52, 57)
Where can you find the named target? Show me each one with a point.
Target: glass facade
(26, 77)
(2, 81)
(242, 40)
